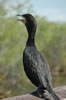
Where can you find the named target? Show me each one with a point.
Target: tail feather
(51, 91)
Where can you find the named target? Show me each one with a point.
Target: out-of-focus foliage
(53, 36)
(50, 40)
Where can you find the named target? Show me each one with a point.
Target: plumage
(35, 65)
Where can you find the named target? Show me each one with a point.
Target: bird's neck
(31, 39)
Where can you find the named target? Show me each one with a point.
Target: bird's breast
(29, 57)
(30, 65)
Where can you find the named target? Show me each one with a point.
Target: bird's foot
(40, 94)
(37, 93)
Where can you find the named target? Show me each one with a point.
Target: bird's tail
(51, 91)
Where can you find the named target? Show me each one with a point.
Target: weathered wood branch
(60, 91)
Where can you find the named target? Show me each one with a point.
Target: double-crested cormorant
(35, 65)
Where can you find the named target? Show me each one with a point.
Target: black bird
(35, 65)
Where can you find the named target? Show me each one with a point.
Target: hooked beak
(21, 20)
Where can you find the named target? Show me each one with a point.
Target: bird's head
(29, 21)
